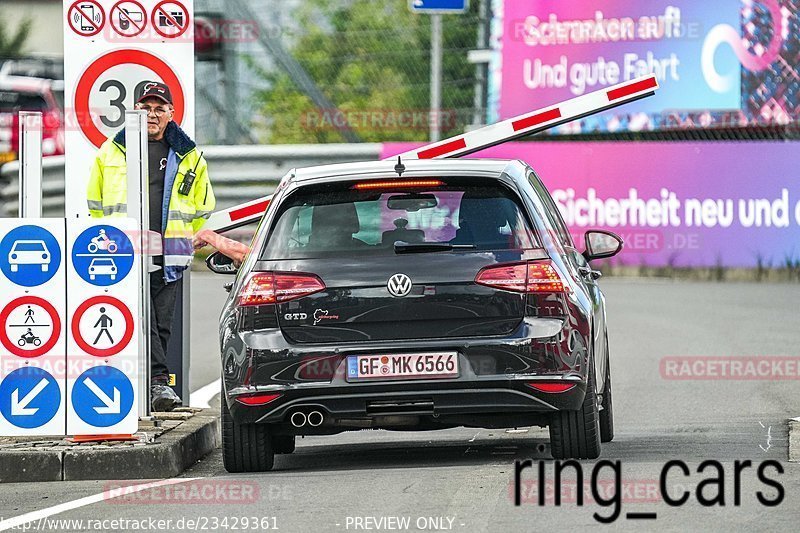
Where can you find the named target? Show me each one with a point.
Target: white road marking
(27, 518)
(202, 396)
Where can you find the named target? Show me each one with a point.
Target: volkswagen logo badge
(399, 285)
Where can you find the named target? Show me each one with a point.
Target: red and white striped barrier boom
(476, 140)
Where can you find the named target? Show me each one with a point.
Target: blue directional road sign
(102, 396)
(29, 255)
(102, 255)
(438, 6)
(29, 397)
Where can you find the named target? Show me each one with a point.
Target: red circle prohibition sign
(82, 16)
(44, 348)
(118, 7)
(102, 352)
(112, 59)
(159, 9)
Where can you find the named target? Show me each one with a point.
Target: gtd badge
(399, 285)
(295, 316)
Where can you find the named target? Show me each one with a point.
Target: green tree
(12, 44)
(374, 58)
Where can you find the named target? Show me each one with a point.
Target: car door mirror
(601, 244)
(221, 264)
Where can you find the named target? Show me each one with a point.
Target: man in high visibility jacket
(181, 200)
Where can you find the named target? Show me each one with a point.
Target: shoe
(163, 398)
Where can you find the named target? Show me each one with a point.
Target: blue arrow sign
(102, 396)
(102, 255)
(29, 397)
(29, 255)
(438, 6)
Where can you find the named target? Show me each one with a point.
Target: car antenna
(399, 167)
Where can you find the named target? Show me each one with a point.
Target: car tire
(576, 434)
(607, 411)
(283, 444)
(245, 447)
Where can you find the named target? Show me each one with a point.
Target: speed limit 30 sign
(107, 81)
(104, 74)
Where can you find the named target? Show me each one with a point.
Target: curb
(794, 440)
(170, 456)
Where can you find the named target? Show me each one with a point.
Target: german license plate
(388, 366)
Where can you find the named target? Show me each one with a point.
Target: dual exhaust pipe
(300, 419)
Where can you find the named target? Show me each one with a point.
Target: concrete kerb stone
(794, 439)
(171, 454)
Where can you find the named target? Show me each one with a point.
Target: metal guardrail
(238, 173)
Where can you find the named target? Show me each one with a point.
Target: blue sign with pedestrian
(102, 255)
(29, 397)
(102, 396)
(439, 6)
(29, 255)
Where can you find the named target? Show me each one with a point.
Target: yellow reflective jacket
(182, 215)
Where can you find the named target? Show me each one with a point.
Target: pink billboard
(721, 63)
(678, 204)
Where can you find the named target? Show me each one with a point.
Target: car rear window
(335, 220)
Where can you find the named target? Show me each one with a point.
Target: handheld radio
(188, 178)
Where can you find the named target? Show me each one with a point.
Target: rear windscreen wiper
(401, 247)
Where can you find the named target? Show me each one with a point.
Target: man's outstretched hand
(228, 247)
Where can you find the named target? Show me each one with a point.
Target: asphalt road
(463, 479)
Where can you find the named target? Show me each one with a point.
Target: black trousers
(162, 308)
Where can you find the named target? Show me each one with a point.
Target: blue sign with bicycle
(29, 397)
(102, 255)
(29, 255)
(102, 396)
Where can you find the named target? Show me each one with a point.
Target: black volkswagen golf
(414, 295)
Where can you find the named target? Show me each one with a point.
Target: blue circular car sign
(29, 397)
(102, 255)
(102, 396)
(29, 255)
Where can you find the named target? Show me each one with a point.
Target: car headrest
(335, 219)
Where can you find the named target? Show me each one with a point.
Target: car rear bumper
(435, 399)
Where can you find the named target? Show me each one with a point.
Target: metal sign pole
(30, 164)
(138, 208)
(436, 77)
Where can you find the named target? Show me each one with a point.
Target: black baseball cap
(155, 89)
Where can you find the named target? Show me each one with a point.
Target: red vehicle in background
(22, 93)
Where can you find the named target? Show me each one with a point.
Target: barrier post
(139, 209)
(30, 164)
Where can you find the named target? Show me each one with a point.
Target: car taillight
(276, 287)
(551, 387)
(262, 398)
(531, 277)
